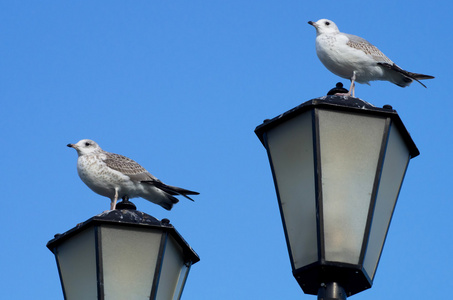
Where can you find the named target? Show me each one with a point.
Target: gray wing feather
(359, 43)
(128, 167)
(136, 172)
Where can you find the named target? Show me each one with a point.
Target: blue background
(179, 86)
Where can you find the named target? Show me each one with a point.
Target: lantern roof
(341, 103)
(127, 217)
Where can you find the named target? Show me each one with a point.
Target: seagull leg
(351, 91)
(352, 87)
(114, 200)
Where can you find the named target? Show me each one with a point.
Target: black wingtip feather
(414, 76)
(172, 190)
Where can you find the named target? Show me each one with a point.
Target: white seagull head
(324, 26)
(85, 147)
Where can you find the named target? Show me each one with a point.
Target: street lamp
(338, 164)
(122, 254)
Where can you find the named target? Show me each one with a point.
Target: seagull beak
(70, 145)
(312, 23)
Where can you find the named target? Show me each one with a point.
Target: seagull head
(324, 26)
(85, 147)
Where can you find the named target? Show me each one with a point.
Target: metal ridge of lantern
(342, 104)
(127, 218)
(338, 164)
(117, 242)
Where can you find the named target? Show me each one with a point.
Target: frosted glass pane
(129, 261)
(182, 280)
(171, 271)
(77, 262)
(394, 168)
(291, 150)
(350, 145)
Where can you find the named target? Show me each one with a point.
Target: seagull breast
(95, 173)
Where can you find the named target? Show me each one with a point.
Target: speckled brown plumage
(116, 176)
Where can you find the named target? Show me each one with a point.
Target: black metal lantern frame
(309, 196)
(122, 254)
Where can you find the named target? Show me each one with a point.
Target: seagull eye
(87, 144)
(327, 23)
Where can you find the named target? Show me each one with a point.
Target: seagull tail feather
(167, 205)
(181, 191)
(172, 190)
(414, 76)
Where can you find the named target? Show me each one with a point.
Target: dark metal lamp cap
(338, 89)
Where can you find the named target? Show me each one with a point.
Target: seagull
(354, 58)
(116, 176)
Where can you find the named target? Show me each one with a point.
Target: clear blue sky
(179, 86)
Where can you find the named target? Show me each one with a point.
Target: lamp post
(338, 164)
(122, 254)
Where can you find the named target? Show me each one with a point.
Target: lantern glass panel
(128, 270)
(182, 279)
(76, 259)
(350, 145)
(395, 164)
(172, 266)
(291, 153)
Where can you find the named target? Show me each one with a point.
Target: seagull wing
(172, 190)
(128, 167)
(136, 172)
(408, 75)
(361, 44)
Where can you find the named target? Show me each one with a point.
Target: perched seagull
(116, 176)
(354, 58)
